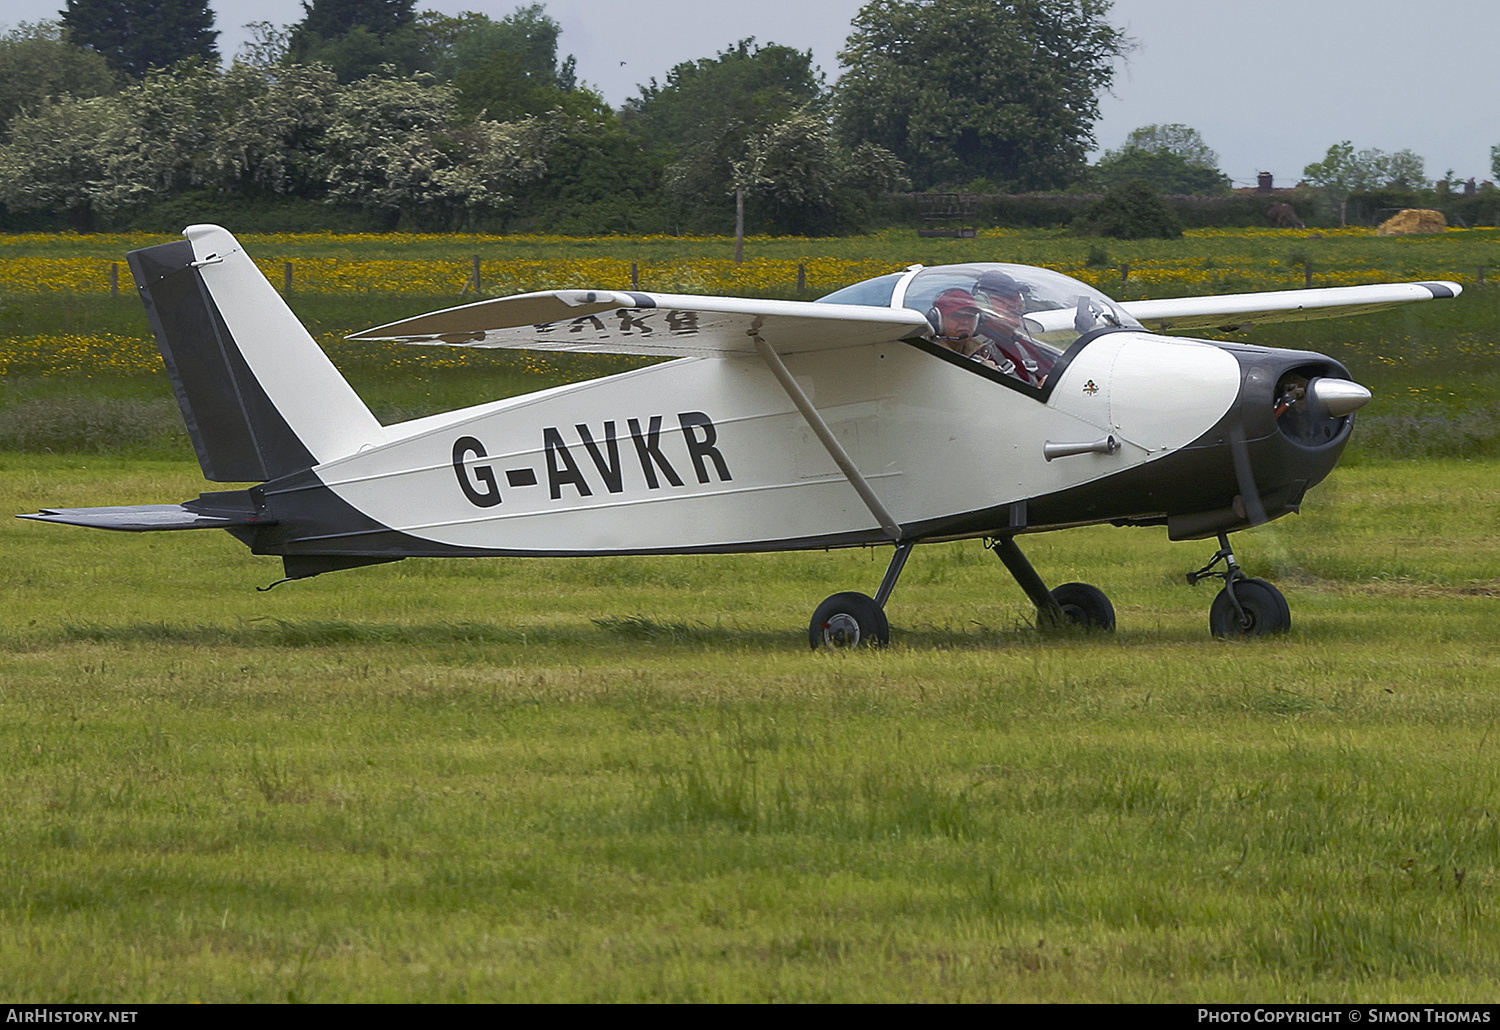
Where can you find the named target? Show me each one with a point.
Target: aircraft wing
(653, 324)
(1241, 310)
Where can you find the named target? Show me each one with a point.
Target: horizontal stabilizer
(1241, 310)
(653, 324)
(143, 518)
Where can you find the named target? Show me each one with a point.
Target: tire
(1266, 611)
(1085, 607)
(849, 620)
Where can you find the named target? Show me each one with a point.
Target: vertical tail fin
(259, 396)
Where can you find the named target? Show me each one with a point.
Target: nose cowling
(1284, 434)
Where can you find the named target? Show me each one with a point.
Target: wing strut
(825, 435)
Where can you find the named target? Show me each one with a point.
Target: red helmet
(951, 302)
(957, 299)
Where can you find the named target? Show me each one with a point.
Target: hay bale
(1413, 220)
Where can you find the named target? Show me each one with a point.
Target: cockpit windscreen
(1053, 309)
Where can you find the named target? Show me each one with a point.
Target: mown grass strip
(628, 779)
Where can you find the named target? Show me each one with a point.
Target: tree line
(370, 108)
(372, 114)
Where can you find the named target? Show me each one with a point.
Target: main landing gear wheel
(849, 620)
(1085, 606)
(1262, 611)
(1072, 604)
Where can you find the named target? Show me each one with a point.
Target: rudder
(259, 396)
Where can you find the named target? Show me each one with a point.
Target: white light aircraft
(963, 401)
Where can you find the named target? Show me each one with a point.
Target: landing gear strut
(852, 619)
(1246, 607)
(1072, 604)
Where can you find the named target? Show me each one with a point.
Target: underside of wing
(1242, 310)
(653, 324)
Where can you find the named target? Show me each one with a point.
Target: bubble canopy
(1058, 308)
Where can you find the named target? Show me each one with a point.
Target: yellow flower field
(442, 265)
(25, 275)
(54, 269)
(76, 353)
(713, 276)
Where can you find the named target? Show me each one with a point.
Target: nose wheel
(1246, 608)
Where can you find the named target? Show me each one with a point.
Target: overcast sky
(1269, 83)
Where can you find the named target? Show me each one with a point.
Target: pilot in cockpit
(1002, 304)
(955, 321)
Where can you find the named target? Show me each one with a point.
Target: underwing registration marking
(628, 322)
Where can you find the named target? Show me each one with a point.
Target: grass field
(628, 779)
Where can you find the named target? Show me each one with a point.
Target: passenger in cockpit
(1002, 303)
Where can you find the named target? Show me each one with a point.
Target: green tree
(1173, 138)
(396, 145)
(270, 136)
(333, 18)
(1131, 211)
(85, 157)
(704, 117)
(965, 89)
(269, 45)
(503, 69)
(357, 38)
(171, 120)
(745, 88)
(38, 61)
(135, 36)
(1404, 170)
(803, 181)
(61, 158)
(594, 176)
(1166, 172)
(1343, 171)
(1173, 158)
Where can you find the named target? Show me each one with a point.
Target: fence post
(801, 277)
(635, 276)
(287, 274)
(739, 226)
(1125, 272)
(476, 275)
(1481, 275)
(114, 278)
(1307, 272)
